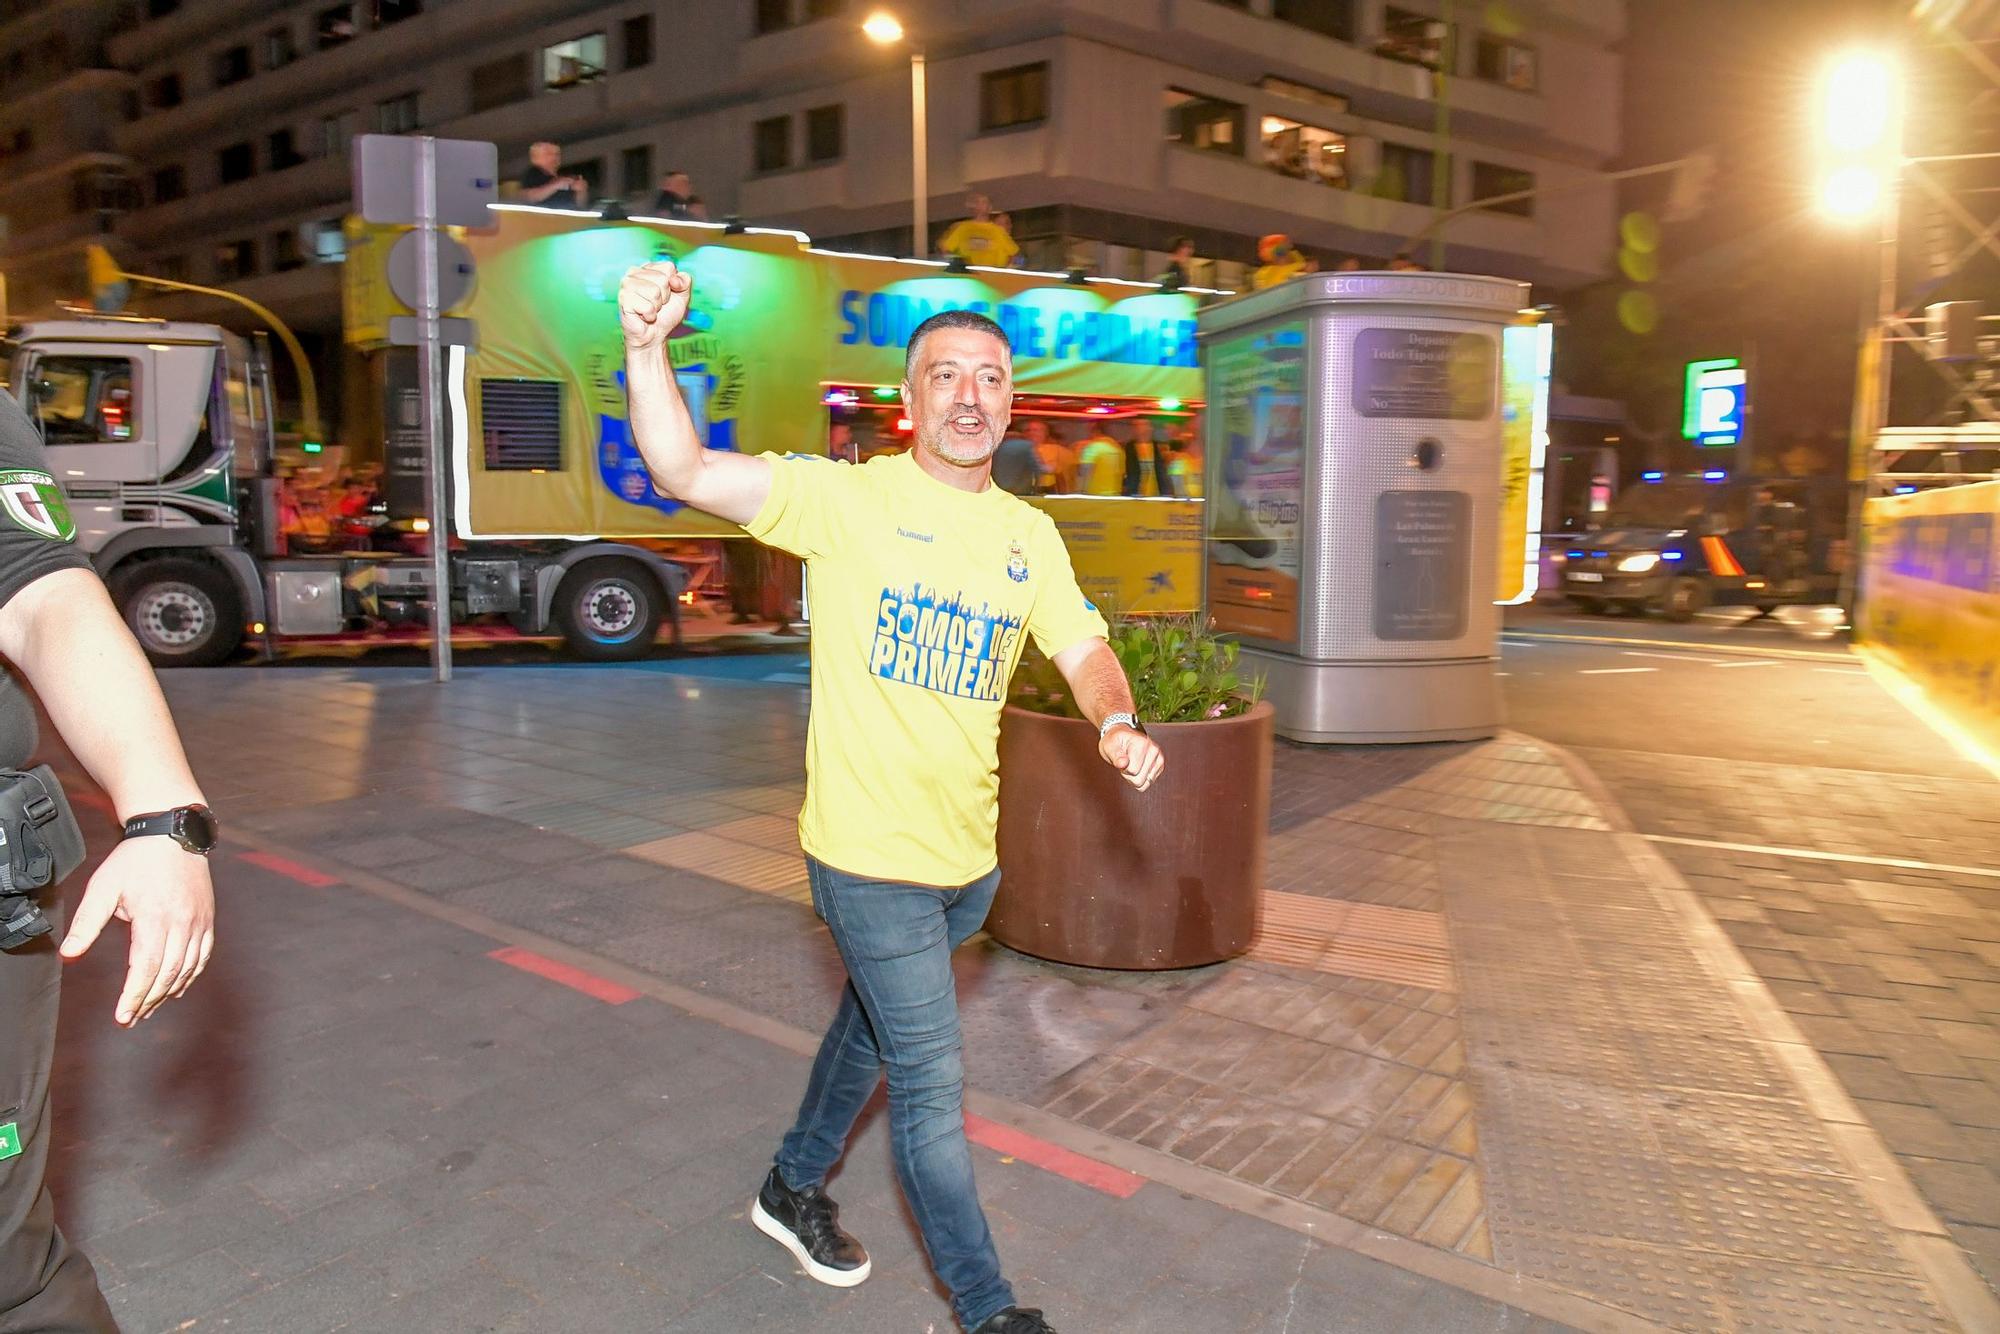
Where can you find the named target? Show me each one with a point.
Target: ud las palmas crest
(33, 501)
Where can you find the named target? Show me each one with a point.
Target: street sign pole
(428, 377)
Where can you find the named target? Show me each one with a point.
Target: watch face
(196, 829)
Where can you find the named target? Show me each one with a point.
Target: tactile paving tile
(1354, 940)
(1664, 1284)
(1732, 1132)
(1539, 1187)
(1789, 1298)
(1796, 1217)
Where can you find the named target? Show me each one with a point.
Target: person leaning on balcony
(543, 182)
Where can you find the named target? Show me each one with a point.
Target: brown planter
(1097, 874)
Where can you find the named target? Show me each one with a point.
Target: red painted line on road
(1053, 1158)
(590, 984)
(291, 870)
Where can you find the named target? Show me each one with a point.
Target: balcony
(785, 196)
(1005, 153)
(1217, 176)
(322, 182)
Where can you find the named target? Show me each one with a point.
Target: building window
(329, 238)
(1490, 179)
(337, 131)
(105, 191)
(238, 162)
(1303, 92)
(499, 82)
(636, 40)
(1414, 39)
(159, 9)
(1328, 18)
(282, 149)
(395, 11)
(1406, 174)
(635, 169)
(1017, 96)
(521, 422)
(286, 253)
(824, 9)
(1200, 121)
(771, 144)
(826, 133)
(1304, 151)
(578, 60)
(279, 48)
(773, 15)
(169, 184)
(397, 115)
(1508, 63)
(85, 400)
(335, 26)
(235, 259)
(232, 66)
(163, 92)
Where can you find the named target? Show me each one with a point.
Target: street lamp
(883, 29)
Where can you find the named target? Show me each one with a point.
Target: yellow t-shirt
(920, 593)
(1101, 470)
(979, 242)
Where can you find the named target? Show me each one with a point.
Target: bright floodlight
(1857, 102)
(882, 27)
(1851, 192)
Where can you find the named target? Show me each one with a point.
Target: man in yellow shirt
(979, 239)
(1100, 466)
(925, 576)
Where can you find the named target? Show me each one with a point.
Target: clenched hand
(652, 301)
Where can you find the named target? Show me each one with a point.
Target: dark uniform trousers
(46, 1286)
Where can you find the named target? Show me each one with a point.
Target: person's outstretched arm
(99, 690)
(652, 301)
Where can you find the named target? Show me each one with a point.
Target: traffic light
(1856, 135)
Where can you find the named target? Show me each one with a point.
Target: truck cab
(160, 433)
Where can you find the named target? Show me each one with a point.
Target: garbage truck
(161, 432)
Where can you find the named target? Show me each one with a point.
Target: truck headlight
(1638, 564)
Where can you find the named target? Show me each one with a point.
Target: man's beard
(965, 452)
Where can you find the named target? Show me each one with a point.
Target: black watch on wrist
(193, 827)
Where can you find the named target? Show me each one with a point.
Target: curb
(1481, 1280)
(1920, 1234)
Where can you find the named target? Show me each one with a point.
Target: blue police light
(1670, 555)
(1651, 476)
(1715, 475)
(1905, 489)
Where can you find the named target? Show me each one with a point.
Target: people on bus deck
(1281, 262)
(676, 198)
(1055, 465)
(1014, 462)
(1100, 465)
(544, 182)
(1184, 463)
(979, 239)
(1145, 462)
(1180, 265)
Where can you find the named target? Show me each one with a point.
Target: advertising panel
(1256, 481)
(1132, 555)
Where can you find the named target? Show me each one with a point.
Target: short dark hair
(949, 319)
(1178, 242)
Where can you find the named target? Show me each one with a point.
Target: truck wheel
(608, 610)
(1589, 606)
(185, 613)
(1684, 597)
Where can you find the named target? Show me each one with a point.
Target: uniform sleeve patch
(32, 501)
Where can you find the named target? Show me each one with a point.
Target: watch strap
(1120, 719)
(159, 822)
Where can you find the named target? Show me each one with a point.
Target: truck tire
(1684, 597)
(184, 612)
(1589, 606)
(608, 609)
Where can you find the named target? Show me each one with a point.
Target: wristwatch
(1112, 720)
(193, 827)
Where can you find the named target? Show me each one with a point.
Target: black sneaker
(802, 1221)
(1015, 1320)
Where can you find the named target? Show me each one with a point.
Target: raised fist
(652, 302)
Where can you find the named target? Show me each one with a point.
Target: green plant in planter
(1181, 672)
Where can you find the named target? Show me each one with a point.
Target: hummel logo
(914, 537)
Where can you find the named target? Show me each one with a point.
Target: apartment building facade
(1104, 127)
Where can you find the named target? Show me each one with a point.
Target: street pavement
(1495, 1061)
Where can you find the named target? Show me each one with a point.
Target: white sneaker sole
(778, 1232)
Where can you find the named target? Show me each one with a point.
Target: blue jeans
(900, 1010)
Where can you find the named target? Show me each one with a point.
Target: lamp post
(883, 29)
(1860, 161)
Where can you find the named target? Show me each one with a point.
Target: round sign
(454, 270)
